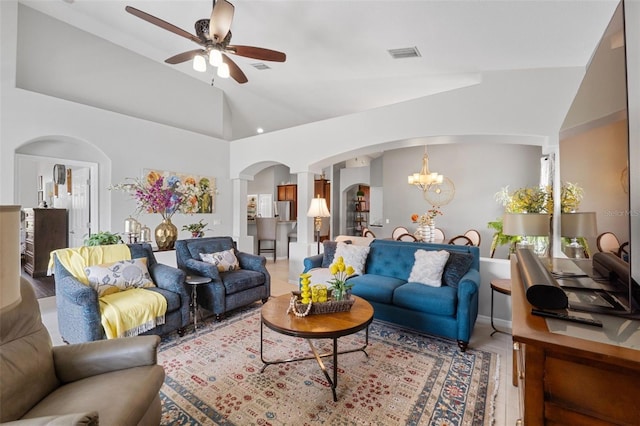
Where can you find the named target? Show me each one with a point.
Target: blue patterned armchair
(230, 289)
(79, 317)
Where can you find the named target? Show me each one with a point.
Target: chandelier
(215, 60)
(425, 179)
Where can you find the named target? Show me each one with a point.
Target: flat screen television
(621, 297)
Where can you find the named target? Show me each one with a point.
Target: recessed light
(260, 130)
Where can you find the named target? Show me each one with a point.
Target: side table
(194, 281)
(502, 286)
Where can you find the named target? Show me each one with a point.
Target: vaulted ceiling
(337, 51)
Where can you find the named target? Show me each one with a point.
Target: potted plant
(103, 238)
(196, 229)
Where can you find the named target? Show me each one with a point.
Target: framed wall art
(198, 191)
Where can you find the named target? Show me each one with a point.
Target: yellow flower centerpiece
(313, 298)
(340, 273)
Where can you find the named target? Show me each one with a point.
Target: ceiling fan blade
(258, 53)
(221, 18)
(162, 24)
(234, 70)
(184, 56)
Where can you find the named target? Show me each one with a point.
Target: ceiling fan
(214, 36)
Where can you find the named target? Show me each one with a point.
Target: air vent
(261, 66)
(405, 52)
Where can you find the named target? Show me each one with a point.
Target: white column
(305, 246)
(239, 226)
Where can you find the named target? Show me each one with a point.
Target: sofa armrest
(75, 419)
(79, 361)
(198, 267)
(169, 278)
(311, 262)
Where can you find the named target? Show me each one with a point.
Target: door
(79, 207)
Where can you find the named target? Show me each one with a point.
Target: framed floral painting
(197, 192)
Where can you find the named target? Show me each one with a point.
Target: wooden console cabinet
(46, 230)
(566, 380)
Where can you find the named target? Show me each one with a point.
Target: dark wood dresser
(46, 230)
(565, 380)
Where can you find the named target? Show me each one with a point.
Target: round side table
(194, 281)
(501, 286)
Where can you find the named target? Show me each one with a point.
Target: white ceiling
(337, 59)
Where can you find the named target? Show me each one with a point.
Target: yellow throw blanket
(131, 312)
(76, 259)
(125, 313)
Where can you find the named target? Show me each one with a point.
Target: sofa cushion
(224, 260)
(457, 265)
(375, 288)
(353, 255)
(328, 252)
(428, 266)
(241, 279)
(174, 301)
(108, 278)
(422, 298)
(320, 275)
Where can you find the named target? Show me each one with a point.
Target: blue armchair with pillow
(94, 282)
(237, 278)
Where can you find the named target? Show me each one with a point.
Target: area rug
(213, 378)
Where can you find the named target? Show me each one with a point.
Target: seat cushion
(173, 299)
(375, 288)
(240, 280)
(422, 298)
(120, 397)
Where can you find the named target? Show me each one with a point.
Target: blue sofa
(445, 311)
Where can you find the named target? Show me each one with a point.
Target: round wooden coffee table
(319, 326)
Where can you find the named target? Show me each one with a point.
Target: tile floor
(506, 403)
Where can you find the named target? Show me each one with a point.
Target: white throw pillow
(118, 276)
(428, 267)
(224, 260)
(353, 255)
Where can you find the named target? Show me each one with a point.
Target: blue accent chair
(227, 290)
(79, 309)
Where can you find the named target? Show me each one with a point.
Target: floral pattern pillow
(109, 278)
(428, 267)
(225, 260)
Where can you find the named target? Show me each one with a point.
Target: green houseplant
(196, 229)
(103, 238)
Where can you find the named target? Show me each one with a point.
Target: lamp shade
(579, 224)
(318, 208)
(9, 257)
(526, 224)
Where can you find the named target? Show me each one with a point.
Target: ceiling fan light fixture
(223, 70)
(215, 57)
(199, 63)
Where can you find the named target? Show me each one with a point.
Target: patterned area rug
(213, 378)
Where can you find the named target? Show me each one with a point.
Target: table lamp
(526, 225)
(318, 209)
(578, 224)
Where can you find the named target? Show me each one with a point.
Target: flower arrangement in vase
(340, 273)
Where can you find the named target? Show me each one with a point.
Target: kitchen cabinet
(289, 192)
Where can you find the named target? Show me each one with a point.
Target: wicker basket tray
(328, 307)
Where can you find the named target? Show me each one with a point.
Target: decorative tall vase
(166, 235)
(432, 230)
(423, 233)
